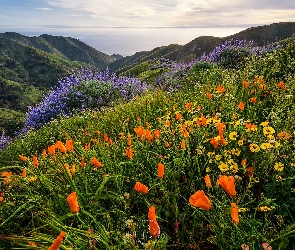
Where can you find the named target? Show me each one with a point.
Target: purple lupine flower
(86, 88)
(4, 140)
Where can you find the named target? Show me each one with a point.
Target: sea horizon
(125, 41)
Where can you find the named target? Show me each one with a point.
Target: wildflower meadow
(202, 158)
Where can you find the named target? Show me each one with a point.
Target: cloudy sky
(146, 13)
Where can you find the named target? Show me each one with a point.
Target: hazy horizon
(124, 41)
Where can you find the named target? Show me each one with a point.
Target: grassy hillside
(260, 35)
(209, 165)
(129, 62)
(65, 47)
(26, 74)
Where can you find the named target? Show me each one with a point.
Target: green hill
(260, 35)
(65, 47)
(26, 74)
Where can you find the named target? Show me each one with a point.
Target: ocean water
(124, 41)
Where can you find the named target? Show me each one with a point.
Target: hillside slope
(27, 65)
(66, 47)
(260, 35)
(128, 62)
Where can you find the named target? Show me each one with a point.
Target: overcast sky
(146, 13)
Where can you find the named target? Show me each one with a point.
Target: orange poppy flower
(23, 158)
(67, 167)
(281, 85)
(44, 153)
(141, 188)
(182, 145)
(207, 181)
(167, 123)
(59, 145)
(209, 96)
(83, 164)
(1, 198)
(184, 133)
(157, 134)
(24, 173)
(199, 199)
(228, 184)
(178, 116)
(281, 134)
(214, 142)
(139, 132)
(6, 174)
(167, 144)
(31, 243)
(287, 136)
(96, 163)
(69, 145)
(253, 99)
(234, 213)
(250, 127)
(129, 143)
(221, 128)
(73, 169)
(220, 89)
(245, 84)
(154, 228)
(188, 105)
(51, 149)
(35, 161)
(222, 140)
(73, 202)
(161, 170)
(244, 162)
(105, 137)
(87, 146)
(129, 152)
(249, 171)
(241, 106)
(203, 121)
(57, 242)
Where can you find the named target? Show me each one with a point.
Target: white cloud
(180, 12)
(44, 9)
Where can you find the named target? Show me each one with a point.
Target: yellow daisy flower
(223, 167)
(236, 151)
(265, 145)
(268, 130)
(254, 147)
(218, 157)
(264, 124)
(279, 166)
(227, 153)
(240, 142)
(233, 135)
